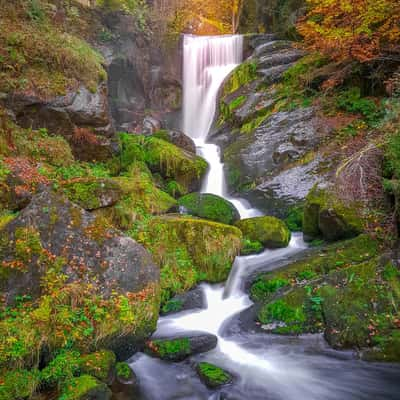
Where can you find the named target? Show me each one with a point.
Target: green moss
(62, 368)
(209, 206)
(172, 306)
(123, 371)
(163, 157)
(343, 222)
(171, 348)
(251, 247)
(5, 218)
(41, 58)
(262, 289)
(242, 75)
(212, 375)
(293, 318)
(84, 387)
(270, 231)
(88, 192)
(294, 219)
(190, 250)
(99, 364)
(18, 384)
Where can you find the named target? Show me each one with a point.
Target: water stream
(265, 366)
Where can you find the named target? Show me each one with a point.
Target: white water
(265, 367)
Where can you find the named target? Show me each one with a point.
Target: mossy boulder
(73, 266)
(251, 247)
(18, 384)
(327, 216)
(92, 193)
(345, 291)
(209, 206)
(212, 375)
(100, 364)
(162, 157)
(180, 348)
(124, 373)
(140, 197)
(177, 138)
(85, 387)
(190, 250)
(270, 231)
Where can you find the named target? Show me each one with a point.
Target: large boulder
(53, 235)
(269, 231)
(209, 206)
(182, 347)
(325, 215)
(191, 300)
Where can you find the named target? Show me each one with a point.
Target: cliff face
(83, 73)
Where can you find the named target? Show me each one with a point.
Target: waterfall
(207, 60)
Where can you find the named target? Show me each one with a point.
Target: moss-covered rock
(190, 250)
(124, 372)
(180, 348)
(91, 193)
(163, 157)
(18, 384)
(209, 206)
(327, 216)
(345, 291)
(140, 197)
(85, 387)
(213, 376)
(251, 247)
(269, 231)
(100, 364)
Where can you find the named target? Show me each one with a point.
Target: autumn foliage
(362, 30)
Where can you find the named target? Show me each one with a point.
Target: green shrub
(123, 370)
(294, 220)
(263, 288)
(251, 247)
(18, 384)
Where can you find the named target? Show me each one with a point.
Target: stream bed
(264, 366)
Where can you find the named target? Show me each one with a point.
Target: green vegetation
(99, 365)
(209, 206)
(263, 288)
(242, 75)
(328, 217)
(251, 247)
(123, 371)
(189, 250)
(40, 58)
(294, 219)
(84, 386)
(269, 231)
(212, 375)
(18, 384)
(163, 157)
(170, 349)
(172, 306)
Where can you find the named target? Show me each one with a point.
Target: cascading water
(265, 366)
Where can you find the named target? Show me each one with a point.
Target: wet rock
(279, 58)
(277, 194)
(150, 125)
(193, 299)
(212, 375)
(181, 347)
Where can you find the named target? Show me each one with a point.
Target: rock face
(179, 139)
(67, 231)
(265, 148)
(180, 348)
